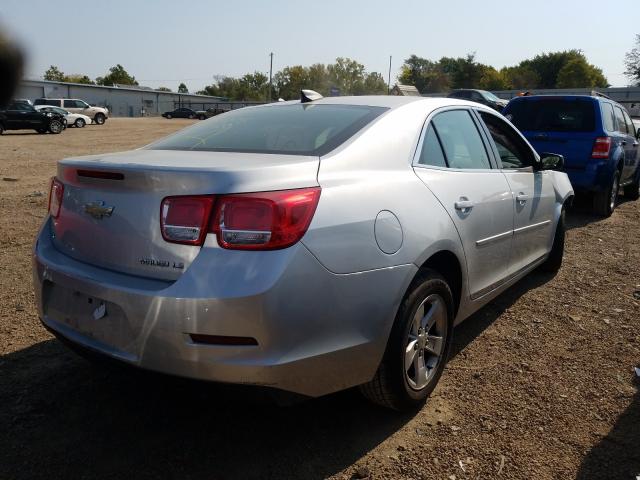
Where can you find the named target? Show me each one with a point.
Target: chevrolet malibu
(306, 246)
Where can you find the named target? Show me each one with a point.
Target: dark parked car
(180, 113)
(595, 135)
(211, 112)
(480, 96)
(22, 116)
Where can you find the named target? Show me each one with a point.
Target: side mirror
(551, 161)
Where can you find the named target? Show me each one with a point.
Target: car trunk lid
(110, 214)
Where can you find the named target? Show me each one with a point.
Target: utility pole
(389, 82)
(270, 75)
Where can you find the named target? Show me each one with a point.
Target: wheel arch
(447, 264)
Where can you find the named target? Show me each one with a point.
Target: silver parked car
(308, 246)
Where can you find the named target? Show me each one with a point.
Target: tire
(100, 118)
(553, 263)
(191, 117)
(632, 192)
(604, 203)
(55, 126)
(168, 116)
(428, 304)
(80, 123)
(202, 117)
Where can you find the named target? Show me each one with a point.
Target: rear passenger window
(630, 128)
(431, 153)
(607, 117)
(622, 125)
(460, 140)
(69, 104)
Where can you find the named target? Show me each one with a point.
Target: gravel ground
(540, 385)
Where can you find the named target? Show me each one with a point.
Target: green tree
(632, 63)
(290, 80)
(373, 84)
(182, 88)
(347, 75)
(427, 76)
(54, 74)
(117, 75)
(577, 73)
(78, 78)
(164, 89)
(464, 72)
(520, 77)
(491, 79)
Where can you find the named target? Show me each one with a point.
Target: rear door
(564, 125)
(628, 142)
(453, 162)
(21, 115)
(533, 194)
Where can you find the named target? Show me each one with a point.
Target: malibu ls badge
(98, 210)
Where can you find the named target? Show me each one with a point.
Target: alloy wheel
(425, 342)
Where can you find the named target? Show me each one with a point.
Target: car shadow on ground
(581, 212)
(473, 326)
(617, 456)
(64, 418)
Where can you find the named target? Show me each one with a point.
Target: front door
(454, 164)
(534, 197)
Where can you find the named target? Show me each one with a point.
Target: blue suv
(594, 134)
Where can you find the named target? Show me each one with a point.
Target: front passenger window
(514, 152)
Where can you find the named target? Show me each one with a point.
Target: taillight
(601, 147)
(56, 193)
(184, 219)
(264, 221)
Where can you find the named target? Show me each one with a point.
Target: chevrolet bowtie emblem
(98, 210)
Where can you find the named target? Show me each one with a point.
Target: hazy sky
(165, 42)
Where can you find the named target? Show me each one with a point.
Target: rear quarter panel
(370, 174)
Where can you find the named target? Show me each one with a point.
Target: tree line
(564, 69)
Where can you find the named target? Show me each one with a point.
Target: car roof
(387, 101)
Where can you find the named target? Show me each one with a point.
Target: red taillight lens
(601, 147)
(185, 219)
(56, 193)
(264, 221)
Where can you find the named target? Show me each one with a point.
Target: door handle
(522, 198)
(464, 205)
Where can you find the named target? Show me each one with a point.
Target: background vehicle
(73, 119)
(480, 96)
(594, 134)
(180, 113)
(98, 114)
(22, 116)
(211, 112)
(308, 246)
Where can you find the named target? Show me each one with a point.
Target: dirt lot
(541, 384)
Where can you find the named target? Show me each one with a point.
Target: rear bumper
(595, 176)
(317, 332)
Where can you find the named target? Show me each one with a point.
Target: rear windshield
(554, 115)
(298, 129)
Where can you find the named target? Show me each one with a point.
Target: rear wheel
(632, 192)
(202, 117)
(56, 126)
(191, 117)
(604, 203)
(554, 261)
(79, 123)
(418, 346)
(168, 116)
(100, 119)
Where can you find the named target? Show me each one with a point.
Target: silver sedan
(307, 246)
